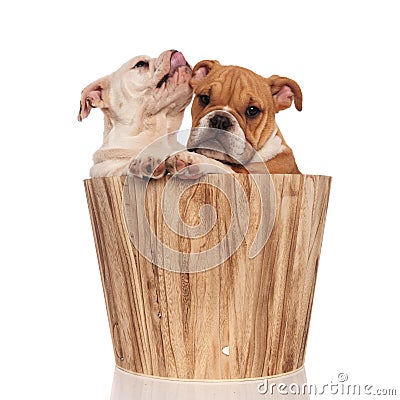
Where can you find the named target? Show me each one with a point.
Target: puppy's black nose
(220, 122)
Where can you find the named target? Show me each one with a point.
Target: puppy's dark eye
(141, 64)
(204, 99)
(252, 111)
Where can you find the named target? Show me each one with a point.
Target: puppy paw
(149, 167)
(189, 165)
(184, 165)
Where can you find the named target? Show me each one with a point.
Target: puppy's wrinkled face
(236, 109)
(235, 100)
(142, 87)
(154, 83)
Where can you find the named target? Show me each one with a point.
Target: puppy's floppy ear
(201, 70)
(284, 91)
(93, 96)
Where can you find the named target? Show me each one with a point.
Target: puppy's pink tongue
(177, 60)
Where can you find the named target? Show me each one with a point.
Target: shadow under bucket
(183, 301)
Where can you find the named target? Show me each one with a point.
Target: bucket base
(128, 386)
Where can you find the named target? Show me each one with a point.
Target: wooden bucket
(175, 314)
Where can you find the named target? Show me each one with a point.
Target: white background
(55, 342)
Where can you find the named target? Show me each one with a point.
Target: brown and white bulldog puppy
(142, 101)
(243, 104)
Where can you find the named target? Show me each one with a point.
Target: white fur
(137, 112)
(271, 148)
(234, 141)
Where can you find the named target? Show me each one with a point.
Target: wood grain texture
(175, 324)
